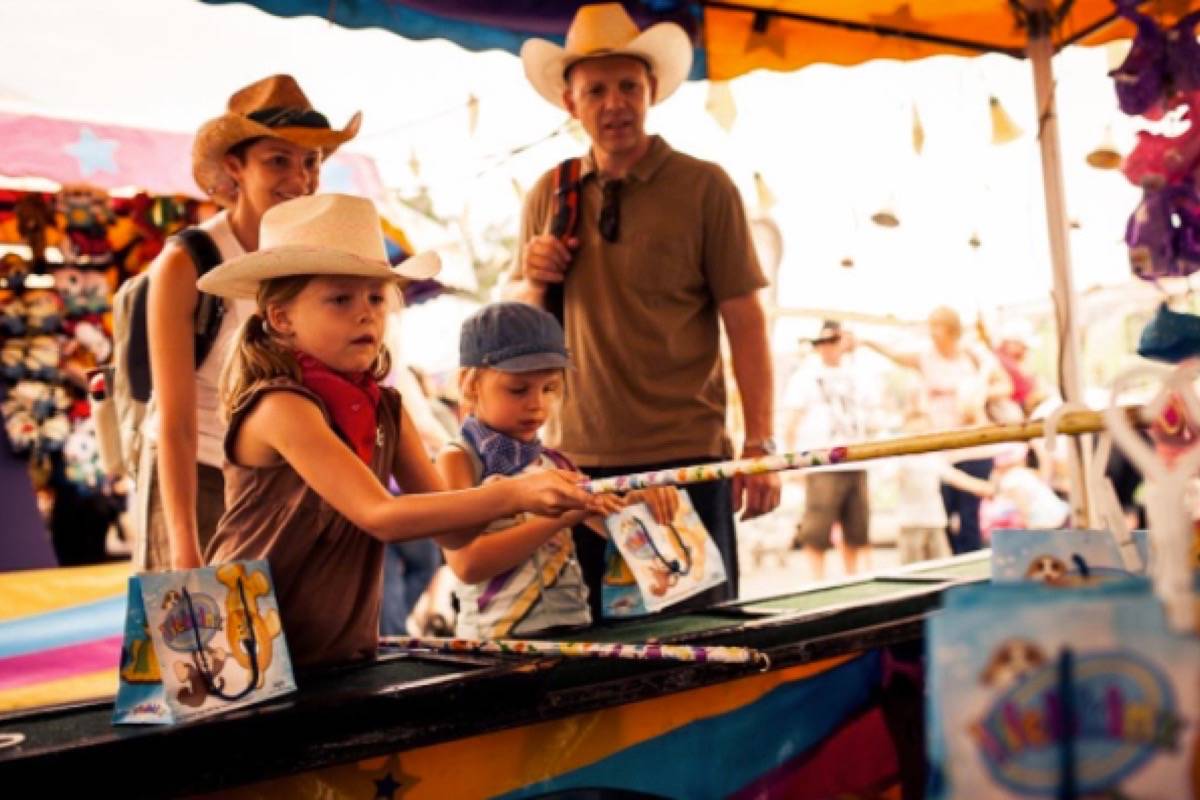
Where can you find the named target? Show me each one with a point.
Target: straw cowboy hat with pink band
(324, 234)
(606, 29)
(272, 107)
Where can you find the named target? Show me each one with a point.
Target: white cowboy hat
(324, 234)
(606, 29)
(273, 106)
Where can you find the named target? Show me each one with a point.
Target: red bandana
(350, 399)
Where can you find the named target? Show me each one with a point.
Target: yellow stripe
(37, 591)
(530, 594)
(495, 763)
(91, 686)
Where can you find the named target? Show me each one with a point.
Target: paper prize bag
(199, 642)
(1038, 692)
(667, 563)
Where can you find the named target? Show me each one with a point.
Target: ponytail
(257, 356)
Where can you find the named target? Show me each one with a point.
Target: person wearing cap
(827, 407)
(660, 256)
(522, 576)
(313, 439)
(265, 149)
(1015, 341)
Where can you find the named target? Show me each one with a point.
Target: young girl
(313, 438)
(522, 577)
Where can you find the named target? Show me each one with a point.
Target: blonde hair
(261, 354)
(944, 315)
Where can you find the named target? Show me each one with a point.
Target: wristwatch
(767, 445)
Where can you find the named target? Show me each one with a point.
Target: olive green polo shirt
(641, 312)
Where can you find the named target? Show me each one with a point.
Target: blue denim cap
(512, 337)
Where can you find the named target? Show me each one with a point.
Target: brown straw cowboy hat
(321, 234)
(273, 106)
(606, 29)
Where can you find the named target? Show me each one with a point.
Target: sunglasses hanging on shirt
(610, 211)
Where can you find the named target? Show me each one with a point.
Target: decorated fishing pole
(1075, 422)
(602, 650)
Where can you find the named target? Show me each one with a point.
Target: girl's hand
(663, 502)
(607, 503)
(551, 493)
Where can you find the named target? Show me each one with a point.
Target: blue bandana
(501, 454)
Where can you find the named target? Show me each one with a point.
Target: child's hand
(606, 503)
(550, 493)
(663, 502)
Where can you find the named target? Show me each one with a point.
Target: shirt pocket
(663, 263)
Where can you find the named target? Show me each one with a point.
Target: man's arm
(746, 326)
(540, 259)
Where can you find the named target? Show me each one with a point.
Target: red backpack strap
(564, 221)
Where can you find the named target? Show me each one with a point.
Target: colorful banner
(158, 162)
(60, 634)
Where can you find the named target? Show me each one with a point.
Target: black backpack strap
(565, 220)
(210, 309)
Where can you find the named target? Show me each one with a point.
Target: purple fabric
(25, 544)
(1163, 233)
(1139, 80)
(500, 454)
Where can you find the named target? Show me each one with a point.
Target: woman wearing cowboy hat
(265, 149)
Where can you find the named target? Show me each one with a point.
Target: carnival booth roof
(732, 38)
(115, 157)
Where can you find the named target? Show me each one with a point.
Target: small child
(313, 438)
(522, 576)
(921, 512)
(1036, 504)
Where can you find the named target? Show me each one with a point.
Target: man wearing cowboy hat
(660, 256)
(826, 406)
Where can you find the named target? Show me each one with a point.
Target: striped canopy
(736, 37)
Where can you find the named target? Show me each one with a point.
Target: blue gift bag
(200, 642)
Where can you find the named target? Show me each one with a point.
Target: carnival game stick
(1071, 423)
(604, 650)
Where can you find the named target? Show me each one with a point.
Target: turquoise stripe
(66, 626)
(715, 757)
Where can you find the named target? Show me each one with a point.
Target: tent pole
(1041, 54)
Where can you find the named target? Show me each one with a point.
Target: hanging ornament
(766, 200)
(1105, 155)
(472, 114)
(414, 164)
(918, 131)
(720, 104)
(847, 262)
(885, 218)
(518, 189)
(974, 241)
(1004, 130)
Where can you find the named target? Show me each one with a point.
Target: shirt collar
(643, 170)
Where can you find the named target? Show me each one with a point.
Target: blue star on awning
(94, 154)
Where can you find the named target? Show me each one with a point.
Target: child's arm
(961, 480)
(479, 558)
(288, 426)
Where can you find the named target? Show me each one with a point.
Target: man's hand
(546, 260)
(758, 494)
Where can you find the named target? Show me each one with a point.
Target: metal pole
(1041, 54)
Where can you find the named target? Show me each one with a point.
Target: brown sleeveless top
(328, 574)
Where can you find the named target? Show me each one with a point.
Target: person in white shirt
(959, 384)
(827, 407)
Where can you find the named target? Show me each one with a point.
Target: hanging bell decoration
(885, 218)
(918, 131)
(720, 104)
(847, 262)
(766, 199)
(1105, 155)
(472, 114)
(1004, 130)
(974, 241)
(414, 163)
